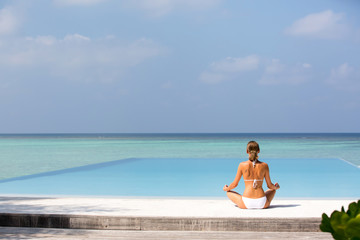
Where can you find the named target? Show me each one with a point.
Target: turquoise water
(199, 177)
(35, 153)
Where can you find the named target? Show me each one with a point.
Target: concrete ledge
(160, 223)
(163, 214)
(34, 220)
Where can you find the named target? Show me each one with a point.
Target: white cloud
(276, 73)
(51, 40)
(326, 24)
(236, 64)
(45, 40)
(345, 77)
(76, 57)
(77, 2)
(211, 77)
(273, 72)
(75, 38)
(228, 68)
(158, 8)
(306, 65)
(8, 21)
(275, 67)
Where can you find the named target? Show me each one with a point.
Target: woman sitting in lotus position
(253, 172)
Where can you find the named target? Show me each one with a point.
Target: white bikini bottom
(254, 202)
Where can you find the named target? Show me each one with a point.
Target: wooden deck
(49, 233)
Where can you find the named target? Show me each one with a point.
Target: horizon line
(24, 133)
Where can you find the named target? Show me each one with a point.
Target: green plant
(343, 225)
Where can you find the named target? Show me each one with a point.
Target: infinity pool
(185, 177)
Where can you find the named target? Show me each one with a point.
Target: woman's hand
(226, 188)
(277, 186)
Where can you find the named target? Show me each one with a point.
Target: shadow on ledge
(283, 205)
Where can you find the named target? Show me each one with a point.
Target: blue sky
(88, 66)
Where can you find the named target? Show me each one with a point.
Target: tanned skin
(248, 172)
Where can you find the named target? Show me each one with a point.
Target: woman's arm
(268, 180)
(235, 182)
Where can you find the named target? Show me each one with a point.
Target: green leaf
(358, 206)
(338, 222)
(353, 227)
(343, 225)
(339, 218)
(339, 236)
(353, 210)
(325, 225)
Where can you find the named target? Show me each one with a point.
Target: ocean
(25, 154)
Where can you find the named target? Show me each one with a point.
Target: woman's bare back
(253, 177)
(254, 172)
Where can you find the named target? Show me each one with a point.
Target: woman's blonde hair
(253, 148)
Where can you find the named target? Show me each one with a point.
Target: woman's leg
(236, 198)
(270, 194)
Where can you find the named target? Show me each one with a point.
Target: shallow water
(35, 153)
(186, 177)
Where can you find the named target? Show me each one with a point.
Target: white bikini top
(255, 180)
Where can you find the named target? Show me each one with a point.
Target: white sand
(220, 208)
